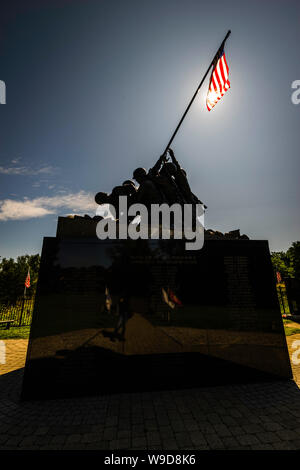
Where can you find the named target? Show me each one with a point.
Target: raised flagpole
(195, 94)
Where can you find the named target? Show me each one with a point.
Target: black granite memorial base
(114, 316)
(94, 372)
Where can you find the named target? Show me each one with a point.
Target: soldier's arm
(153, 171)
(174, 160)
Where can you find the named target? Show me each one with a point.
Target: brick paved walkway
(15, 355)
(255, 416)
(294, 340)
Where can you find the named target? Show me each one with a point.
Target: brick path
(296, 368)
(254, 416)
(15, 355)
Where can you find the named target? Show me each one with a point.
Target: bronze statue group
(165, 183)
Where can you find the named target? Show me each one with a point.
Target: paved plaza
(253, 416)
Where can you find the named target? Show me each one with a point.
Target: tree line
(13, 274)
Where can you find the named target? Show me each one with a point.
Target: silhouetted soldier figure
(182, 182)
(114, 198)
(102, 198)
(164, 179)
(127, 189)
(132, 187)
(148, 193)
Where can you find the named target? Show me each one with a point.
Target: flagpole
(196, 92)
(23, 300)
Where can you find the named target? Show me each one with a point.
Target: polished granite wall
(191, 318)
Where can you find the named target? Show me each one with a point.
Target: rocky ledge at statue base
(123, 315)
(78, 226)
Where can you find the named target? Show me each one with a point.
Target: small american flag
(108, 301)
(174, 297)
(27, 280)
(166, 298)
(219, 82)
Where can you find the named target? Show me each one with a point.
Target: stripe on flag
(27, 280)
(219, 82)
(174, 297)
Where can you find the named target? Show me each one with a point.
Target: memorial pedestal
(189, 318)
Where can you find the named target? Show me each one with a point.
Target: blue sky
(96, 88)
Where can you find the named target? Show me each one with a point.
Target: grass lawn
(291, 327)
(14, 332)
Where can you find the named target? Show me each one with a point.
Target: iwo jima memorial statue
(136, 313)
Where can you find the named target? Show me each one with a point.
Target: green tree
(293, 254)
(13, 274)
(282, 263)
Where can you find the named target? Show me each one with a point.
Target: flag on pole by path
(167, 299)
(108, 300)
(170, 298)
(173, 297)
(219, 83)
(278, 275)
(27, 280)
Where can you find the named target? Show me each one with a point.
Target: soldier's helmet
(139, 173)
(118, 191)
(101, 198)
(128, 183)
(129, 187)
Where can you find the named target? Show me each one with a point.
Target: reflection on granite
(119, 315)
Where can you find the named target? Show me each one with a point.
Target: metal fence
(20, 312)
(283, 299)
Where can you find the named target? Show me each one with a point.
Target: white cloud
(11, 209)
(16, 160)
(26, 171)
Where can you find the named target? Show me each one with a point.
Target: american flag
(278, 275)
(219, 82)
(27, 280)
(166, 298)
(174, 297)
(108, 301)
(170, 298)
